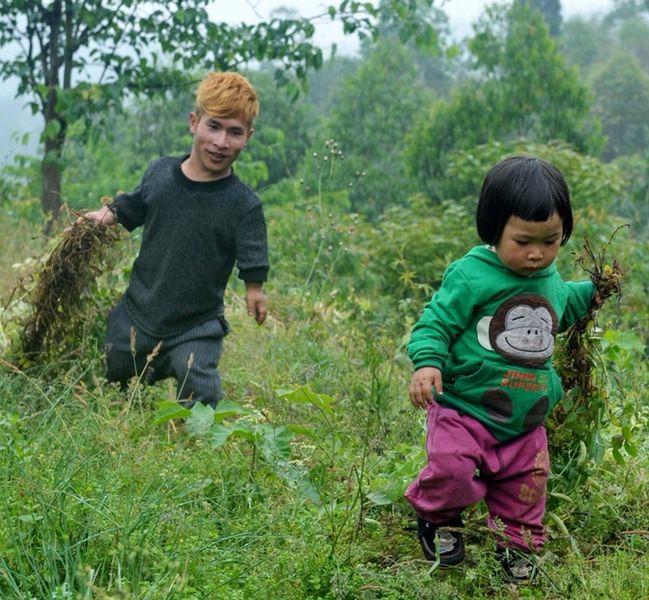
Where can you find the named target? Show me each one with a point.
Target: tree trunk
(55, 126)
(51, 172)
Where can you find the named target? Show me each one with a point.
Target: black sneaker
(450, 542)
(519, 567)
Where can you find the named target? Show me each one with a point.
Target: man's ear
(250, 132)
(193, 121)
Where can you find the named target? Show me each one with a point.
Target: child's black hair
(526, 187)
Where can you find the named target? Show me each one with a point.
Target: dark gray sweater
(193, 234)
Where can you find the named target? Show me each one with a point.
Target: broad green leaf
(243, 430)
(372, 524)
(30, 518)
(200, 420)
(380, 498)
(305, 395)
(306, 490)
(52, 129)
(301, 430)
(627, 340)
(618, 457)
(168, 410)
(228, 408)
(453, 51)
(219, 435)
(563, 497)
(275, 443)
(631, 448)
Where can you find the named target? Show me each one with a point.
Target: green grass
(97, 501)
(21, 241)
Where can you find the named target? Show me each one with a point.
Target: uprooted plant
(57, 295)
(585, 407)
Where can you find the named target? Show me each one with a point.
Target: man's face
(217, 144)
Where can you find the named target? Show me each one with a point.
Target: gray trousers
(191, 357)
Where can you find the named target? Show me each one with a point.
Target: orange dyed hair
(227, 95)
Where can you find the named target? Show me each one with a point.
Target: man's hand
(104, 215)
(256, 301)
(422, 384)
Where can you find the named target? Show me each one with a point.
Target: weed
(61, 289)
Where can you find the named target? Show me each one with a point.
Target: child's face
(217, 144)
(527, 246)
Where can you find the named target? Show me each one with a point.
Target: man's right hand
(104, 215)
(422, 384)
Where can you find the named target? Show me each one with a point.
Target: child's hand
(422, 384)
(597, 300)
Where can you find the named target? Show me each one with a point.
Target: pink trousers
(467, 464)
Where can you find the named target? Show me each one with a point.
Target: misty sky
(461, 14)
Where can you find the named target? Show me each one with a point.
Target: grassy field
(292, 491)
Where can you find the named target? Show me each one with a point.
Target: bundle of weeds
(59, 293)
(584, 405)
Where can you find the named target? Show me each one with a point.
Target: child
(199, 219)
(482, 351)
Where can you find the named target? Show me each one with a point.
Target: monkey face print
(522, 330)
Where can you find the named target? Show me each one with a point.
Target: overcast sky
(461, 14)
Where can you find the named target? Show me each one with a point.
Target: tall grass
(21, 242)
(99, 501)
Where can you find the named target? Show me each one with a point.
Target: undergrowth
(293, 487)
(107, 499)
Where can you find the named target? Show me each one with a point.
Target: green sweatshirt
(492, 333)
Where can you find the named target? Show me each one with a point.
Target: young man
(199, 220)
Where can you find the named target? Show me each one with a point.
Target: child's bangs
(538, 200)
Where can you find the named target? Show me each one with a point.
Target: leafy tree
(551, 11)
(438, 65)
(284, 129)
(595, 186)
(633, 38)
(460, 122)
(625, 9)
(76, 59)
(584, 42)
(589, 42)
(373, 110)
(521, 88)
(535, 93)
(434, 61)
(375, 107)
(633, 205)
(622, 91)
(324, 83)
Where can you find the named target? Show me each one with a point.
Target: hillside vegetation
(293, 487)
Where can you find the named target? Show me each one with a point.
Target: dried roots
(577, 360)
(57, 299)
